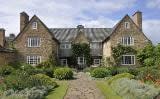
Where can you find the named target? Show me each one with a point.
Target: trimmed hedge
(63, 73)
(100, 72)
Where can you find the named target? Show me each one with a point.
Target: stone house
(36, 42)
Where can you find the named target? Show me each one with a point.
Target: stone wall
(48, 45)
(6, 57)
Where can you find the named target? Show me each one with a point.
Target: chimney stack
(24, 19)
(137, 18)
(2, 37)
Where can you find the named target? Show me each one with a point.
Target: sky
(90, 13)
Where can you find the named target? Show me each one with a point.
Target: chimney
(137, 18)
(80, 28)
(11, 36)
(24, 19)
(2, 37)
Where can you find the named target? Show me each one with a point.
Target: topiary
(6, 70)
(63, 73)
(100, 72)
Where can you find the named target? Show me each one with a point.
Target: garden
(141, 82)
(23, 81)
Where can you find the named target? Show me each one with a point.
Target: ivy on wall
(81, 50)
(120, 50)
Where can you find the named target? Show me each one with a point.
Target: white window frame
(132, 60)
(127, 25)
(34, 42)
(33, 60)
(65, 46)
(34, 25)
(79, 61)
(62, 62)
(127, 41)
(99, 61)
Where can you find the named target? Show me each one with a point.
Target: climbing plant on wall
(120, 50)
(81, 50)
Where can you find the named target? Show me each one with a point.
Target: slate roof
(93, 34)
(2, 49)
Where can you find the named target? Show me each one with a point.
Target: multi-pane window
(128, 60)
(127, 25)
(33, 60)
(97, 61)
(127, 41)
(34, 25)
(64, 62)
(95, 45)
(33, 42)
(81, 60)
(65, 46)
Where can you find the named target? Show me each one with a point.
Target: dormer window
(127, 25)
(34, 25)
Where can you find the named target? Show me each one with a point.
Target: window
(34, 25)
(127, 25)
(127, 41)
(33, 60)
(81, 61)
(65, 46)
(95, 45)
(33, 42)
(128, 60)
(64, 62)
(97, 61)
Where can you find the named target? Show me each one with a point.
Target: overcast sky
(90, 13)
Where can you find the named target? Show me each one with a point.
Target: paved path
(83, 88)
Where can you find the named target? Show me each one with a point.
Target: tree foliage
(81, 50)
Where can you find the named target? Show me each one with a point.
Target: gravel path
(83, 88)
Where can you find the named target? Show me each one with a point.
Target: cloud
(152, 30)
(61, 13)
(153, 4)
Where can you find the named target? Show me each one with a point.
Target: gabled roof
(35, 17)
(93, 34)
(116, 26)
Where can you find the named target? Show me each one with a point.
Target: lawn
(59, 92)
(106, 90)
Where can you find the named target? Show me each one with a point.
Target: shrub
(42, 80)
(118, 76)
(148, 73)
(122, 70)
(132, 89)
(63, 73)
(134, 71)
(100, 72)
(17, 82)
(6, 70)
(113, 70)
(33, 93)
(149, 62)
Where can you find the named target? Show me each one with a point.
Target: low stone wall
(6, 57)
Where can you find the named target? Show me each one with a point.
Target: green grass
(106, 90)
(59, 92)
